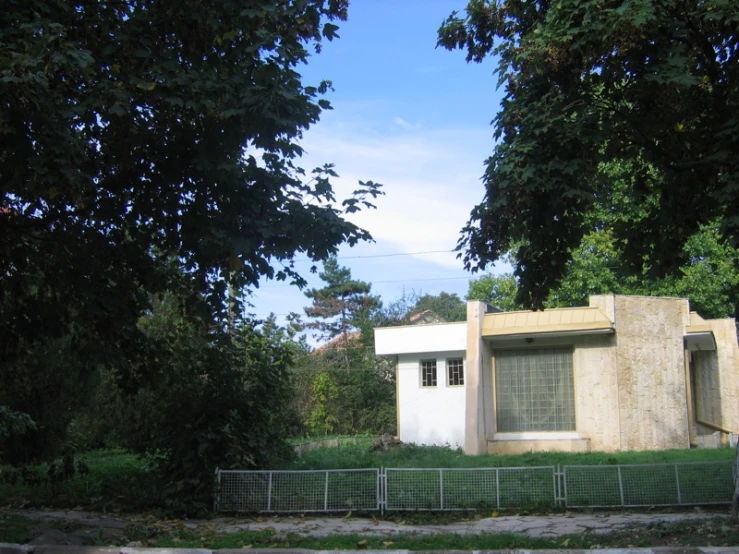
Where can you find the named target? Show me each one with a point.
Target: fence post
(382, 489)
(620, 485)
(441, 489)
(217, 495)
(269, 493)
(677, 482)
(325, 494)
(497, 488)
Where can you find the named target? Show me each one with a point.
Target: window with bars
(428, 373)
(455, 372)
(534, 390)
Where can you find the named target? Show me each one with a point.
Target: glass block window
(534, 390)
(428, 373)
(455, 372)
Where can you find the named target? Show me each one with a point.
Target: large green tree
(134, 133)
(653, 85)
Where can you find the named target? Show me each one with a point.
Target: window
(428, 373)
(534, 390)
(455, 372)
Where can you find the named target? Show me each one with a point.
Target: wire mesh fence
(470, 488)
(648, 485)
(475, 488)
(298, 491)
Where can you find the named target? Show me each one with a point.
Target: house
(624, 373)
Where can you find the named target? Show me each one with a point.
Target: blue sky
(414, 118)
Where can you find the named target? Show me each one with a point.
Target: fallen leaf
(387, 543)
(246, 546)
(494, 514)
(565, 542)
(362, 544)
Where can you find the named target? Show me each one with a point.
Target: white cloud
(404, 124)
(431, 181)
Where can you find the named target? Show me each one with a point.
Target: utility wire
(383, 255)
(409, 281)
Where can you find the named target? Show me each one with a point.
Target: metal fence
(648, 485)
(298, 491)
(468, 489)
(475, 488)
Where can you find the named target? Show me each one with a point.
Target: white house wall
(430, 415)
(441, 337)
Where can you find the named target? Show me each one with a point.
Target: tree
(136, 136)
(709, 278)
(213, 399)
(449, 307)
(338, 305)
(497, 290)
(351, 390)
(652, 85)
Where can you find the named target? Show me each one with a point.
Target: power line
(384, 255)
(409, 281)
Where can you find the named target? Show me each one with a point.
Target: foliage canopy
(654, 85)
(133, 133)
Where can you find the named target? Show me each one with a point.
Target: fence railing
(475, 488)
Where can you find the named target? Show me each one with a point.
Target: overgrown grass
(409, 456)
(116, 481)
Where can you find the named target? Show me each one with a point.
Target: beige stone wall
(526, 446)
(596, 392)
(478, 362)
(717, 379)
(630, 387)
(707, 392)
(651, 372)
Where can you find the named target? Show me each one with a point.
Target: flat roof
(556, 320)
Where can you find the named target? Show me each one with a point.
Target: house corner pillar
(474, 436)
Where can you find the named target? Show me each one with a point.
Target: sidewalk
(66, 531)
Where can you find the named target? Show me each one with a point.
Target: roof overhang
(421, 339)
(552, 334)
(558, 322)
(699, 335)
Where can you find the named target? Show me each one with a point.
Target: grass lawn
(412, 456)
(118, 481)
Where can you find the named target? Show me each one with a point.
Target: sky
(413, 117)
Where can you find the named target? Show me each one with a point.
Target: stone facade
(648, 375)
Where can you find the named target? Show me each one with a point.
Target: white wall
(437, 337)
(430, 415)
